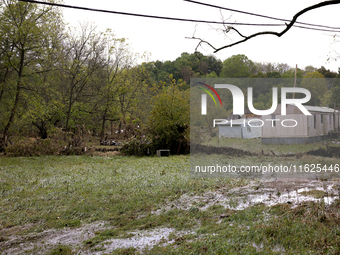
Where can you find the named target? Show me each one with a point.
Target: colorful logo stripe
(209, 94)
(213, 90)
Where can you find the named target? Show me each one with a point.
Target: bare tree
(84, 56)
(278, 34)
(335, 52)
(118, 59)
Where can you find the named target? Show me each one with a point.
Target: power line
(317, 29)
(259, 15)
(146, 16)
(186, 20)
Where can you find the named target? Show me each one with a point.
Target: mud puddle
(268, 192)
(141, 240)
(41, 243)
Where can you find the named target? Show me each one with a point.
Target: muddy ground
(269, 192)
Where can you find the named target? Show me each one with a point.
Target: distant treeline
(54, 78)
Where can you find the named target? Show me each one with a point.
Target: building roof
(292, 109)
(320, 109)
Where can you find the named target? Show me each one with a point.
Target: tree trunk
(102, 131)
(17, 95)
(3, 85)
(13, 111)
(42, 129)
(69, 109)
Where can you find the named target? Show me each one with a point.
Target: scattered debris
(110, 143)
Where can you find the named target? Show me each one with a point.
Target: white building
(307, 129)
(240, 128)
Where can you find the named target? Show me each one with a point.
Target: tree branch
(278, 34)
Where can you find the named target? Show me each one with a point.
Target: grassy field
(100, 205)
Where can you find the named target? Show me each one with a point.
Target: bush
(169, 119)
(34, 147)
(138, 147)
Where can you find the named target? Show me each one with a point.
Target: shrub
(138, 146)
(34, 147)
(169, 119)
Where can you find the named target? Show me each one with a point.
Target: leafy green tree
(282, 67)
(28, 33)
(326, 72)
(291, 73)
(43, 114)
(170, 117)
(274, 74)
(332, 96)
(214, 65)
(212, 75)
(265, 68)
(310, 69)
(117, 59)
(186, 67)
(238, 66)
(168, 67)
(316, 84)
(130, 83)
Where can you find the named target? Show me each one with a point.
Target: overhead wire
(144, 15)
(191, 20)
(258, 15)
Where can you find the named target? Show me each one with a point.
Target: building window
(314, 121)
(321, 119)
(248, 129)
(330, 119)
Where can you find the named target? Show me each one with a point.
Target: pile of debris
(110, 142)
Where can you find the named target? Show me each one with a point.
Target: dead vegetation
(315, 211)
(77, 142)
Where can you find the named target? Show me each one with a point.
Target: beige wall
(337, 122)
(301, 130)
(320, 128)
(304, 128)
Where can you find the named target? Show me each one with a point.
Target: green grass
(67, 190)
(314, 193)
(42, 193)
(250, 232)
(61, 250)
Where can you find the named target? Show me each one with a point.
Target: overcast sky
(165, 40)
